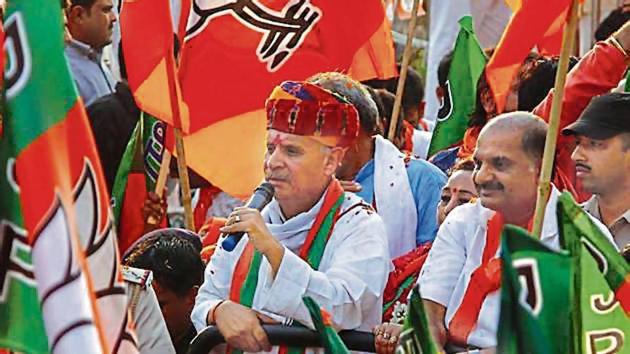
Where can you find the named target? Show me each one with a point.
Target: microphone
(261, 197)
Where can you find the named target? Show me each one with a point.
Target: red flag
(534, 23)
(147, 38)
(236, 52)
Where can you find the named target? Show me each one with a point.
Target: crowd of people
(352, 209)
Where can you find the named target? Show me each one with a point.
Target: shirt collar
(592, 207)
(365, 171)
(86, 50)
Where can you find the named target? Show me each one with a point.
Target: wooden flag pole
(164, 169)
(184, 182)
(544, 182)
(403, 71)
(182, 167)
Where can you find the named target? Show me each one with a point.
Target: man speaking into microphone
(312, 239)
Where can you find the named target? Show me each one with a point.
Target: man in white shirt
(311, 240)
(460, 281)
(90, 23)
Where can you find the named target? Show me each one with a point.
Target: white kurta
(349, 283)
(457, 252)
(393, 197)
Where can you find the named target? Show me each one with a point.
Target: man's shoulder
(356, 217)
(355, 206)
(357, 213)
(468, 215)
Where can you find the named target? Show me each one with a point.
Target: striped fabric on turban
(302, 108)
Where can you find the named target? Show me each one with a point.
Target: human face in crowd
(459, 189)
(511, 101)
(175, 309)
(601, 165)
(298, 166)
(94, 26)
(505, 176)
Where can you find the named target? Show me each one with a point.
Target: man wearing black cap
(602, 161)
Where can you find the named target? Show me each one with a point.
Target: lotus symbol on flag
(63, 279)
(283, 32)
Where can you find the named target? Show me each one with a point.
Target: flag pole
(182, 168)
(161, 180)
(403, 71)
(544, 182)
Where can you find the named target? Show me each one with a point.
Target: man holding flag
(461, 277)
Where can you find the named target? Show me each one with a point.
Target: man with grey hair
(460, 281)
(404, 191)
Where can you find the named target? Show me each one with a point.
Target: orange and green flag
(60, 284)
(331, 341)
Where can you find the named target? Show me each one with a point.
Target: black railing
(210, 337)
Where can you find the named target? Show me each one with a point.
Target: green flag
(601, 318)
(627, 86)
(143, 155)
(461, 89)
(330, 339)
(60, 284)
(536, 288)
(416, 337)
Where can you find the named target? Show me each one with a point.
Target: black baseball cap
(604, 117)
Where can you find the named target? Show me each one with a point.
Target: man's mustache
(276, 176)
(490, 186)
(583, 165)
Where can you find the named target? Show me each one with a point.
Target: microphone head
(265, 189)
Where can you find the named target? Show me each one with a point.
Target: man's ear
(333, 160)
(192, 294)
(76, 14)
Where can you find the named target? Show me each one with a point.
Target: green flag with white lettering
(536, 287)
(601, 314)
(461, 89)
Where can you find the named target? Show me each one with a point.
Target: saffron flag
(136, 176)
(535, 289)
(60, 282)
(331, 341)
(532, 23)
(601, 318)
(236, 52)
(461, 89)
(148, 43)
(416, 337)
